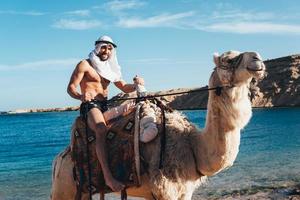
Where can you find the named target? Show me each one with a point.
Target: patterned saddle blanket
(120, 153)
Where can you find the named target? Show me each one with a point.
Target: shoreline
(291, 192)
(40, 110)
(76, 108)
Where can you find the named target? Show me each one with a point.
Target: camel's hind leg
(63, 184)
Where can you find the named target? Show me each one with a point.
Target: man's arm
(127, 88)
(75, 80)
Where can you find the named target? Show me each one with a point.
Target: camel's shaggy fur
(190, 154)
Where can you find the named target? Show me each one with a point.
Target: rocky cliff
(19, 111)
(280, 87)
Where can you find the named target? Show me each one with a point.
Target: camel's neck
(227, 114)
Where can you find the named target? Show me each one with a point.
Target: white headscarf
(109, 69)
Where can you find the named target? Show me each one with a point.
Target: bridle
(232, 63)
(232, 66)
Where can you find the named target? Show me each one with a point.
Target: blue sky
(169, 43)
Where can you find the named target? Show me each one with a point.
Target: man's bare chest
(92, 75)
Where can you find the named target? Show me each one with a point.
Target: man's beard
(103, 57)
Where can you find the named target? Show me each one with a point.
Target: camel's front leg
(144, 191)
(187, 196)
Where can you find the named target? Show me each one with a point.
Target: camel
(191, 154)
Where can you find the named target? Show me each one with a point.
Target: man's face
(105, 52)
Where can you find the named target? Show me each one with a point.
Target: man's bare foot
(115, 185)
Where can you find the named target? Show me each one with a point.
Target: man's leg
(97, 123)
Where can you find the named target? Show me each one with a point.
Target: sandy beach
(283, 193)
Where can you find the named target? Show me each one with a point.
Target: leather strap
(124, 194)
(102, 195)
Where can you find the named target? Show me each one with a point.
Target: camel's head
(235, 68)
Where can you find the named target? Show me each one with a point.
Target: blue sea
(269, 154)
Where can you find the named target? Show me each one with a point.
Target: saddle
(122, 154)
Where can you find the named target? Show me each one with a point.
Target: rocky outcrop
(188, 101)
(279, 88)
(72, 108)
(19, 111)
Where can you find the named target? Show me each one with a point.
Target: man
(94, 75)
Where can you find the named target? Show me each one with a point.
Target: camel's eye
(256, 58)
(229, 61)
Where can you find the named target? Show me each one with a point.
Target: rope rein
(233, 65)
(218, 92)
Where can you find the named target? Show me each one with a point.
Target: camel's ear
(216, 59)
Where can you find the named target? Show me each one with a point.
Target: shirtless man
(94, 75)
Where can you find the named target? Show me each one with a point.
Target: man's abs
(92, 83)
(94, 89)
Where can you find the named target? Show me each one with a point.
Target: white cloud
(117, 5)
(225, 21)
(168, 20)
(252, 27)
(222, 20)
(81, 13)
(76, 24)
(29, 13)
(248, 22)
(239, 15)
(41, 65)
(230, 20)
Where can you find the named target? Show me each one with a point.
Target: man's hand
(139, 86)
(88, 96)
(138, 80)
(127, 88)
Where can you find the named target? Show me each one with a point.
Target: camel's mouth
(255, 70)
(256, 65)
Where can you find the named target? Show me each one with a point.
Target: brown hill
(280, 87)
